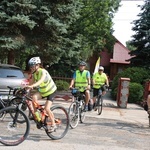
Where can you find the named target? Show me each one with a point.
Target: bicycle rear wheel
(82, 112)
(99, 104)
(73, 115)
(61, 120)
(12, 131)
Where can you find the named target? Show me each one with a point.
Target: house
(114, 62)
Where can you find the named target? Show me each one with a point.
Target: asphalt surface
(115, 129)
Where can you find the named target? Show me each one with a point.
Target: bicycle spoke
(82, 112)
(73, 115)
(13, 133)
(62, 116)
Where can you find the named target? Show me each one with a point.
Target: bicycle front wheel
(99, 104)
(73, 115)
(61, 120)
(82, 112)
(23, 106)
(12, 131)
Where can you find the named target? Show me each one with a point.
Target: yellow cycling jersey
(48, 86)
(100, 79)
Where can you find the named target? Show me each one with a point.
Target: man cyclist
(42, 80)
(99, 80)
(81, 80)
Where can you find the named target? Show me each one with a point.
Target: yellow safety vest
(99, 79)
(45, 88)
(81, 80)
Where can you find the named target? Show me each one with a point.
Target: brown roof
(120, 54)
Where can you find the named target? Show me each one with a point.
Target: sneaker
(52, 128)
(86, 108)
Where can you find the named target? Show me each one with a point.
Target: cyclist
(99, 80)
(81, 80)
(42, 80)
(148, 103)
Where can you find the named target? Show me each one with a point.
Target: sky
(126, 13)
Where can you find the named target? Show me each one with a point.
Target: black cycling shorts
(96, 91)
(50, 97)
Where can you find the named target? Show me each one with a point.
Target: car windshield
(11, 73)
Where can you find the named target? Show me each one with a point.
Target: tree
(95, 25)
(60, 32)
(37, 27)
(141, 38)
(129, 46)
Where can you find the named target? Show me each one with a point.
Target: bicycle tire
(18, 101)
(149, 119)
(82, 112)
(13, 132)
(62, 122)
(99, 104)
(73, 115)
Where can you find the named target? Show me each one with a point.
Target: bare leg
(48, 105)
(94, 99)
(87, 97)
(35, 98)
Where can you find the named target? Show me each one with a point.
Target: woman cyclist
(99, 80)
(42, 80)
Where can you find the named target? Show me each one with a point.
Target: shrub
(135, 93)
(62, 85)
(136, 74)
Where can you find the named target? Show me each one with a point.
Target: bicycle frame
(29, 103)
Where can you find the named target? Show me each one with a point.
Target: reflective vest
(81, 80)
(46, 87)
(99, 79)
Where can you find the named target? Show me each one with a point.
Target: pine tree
(141, 38)
(41, 27)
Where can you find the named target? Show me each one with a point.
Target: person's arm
(93, 79)
(89, 80)
(107, 81)
(40, 81)
(72, 81)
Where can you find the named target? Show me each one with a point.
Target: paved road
(115, 129)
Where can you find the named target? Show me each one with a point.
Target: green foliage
(62, 85)
(135, 93)
(60, 32)
(136, 75)
(141, 38)
(129, 46)
(43, 27)
(95, 24)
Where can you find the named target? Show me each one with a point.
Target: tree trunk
(11, 57)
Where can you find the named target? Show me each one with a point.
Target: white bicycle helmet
(34, 61)
(101, 68)
(82, 63)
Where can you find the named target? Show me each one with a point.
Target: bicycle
(14, 132)
(11, 100)
(99, 101)
(76, 109)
